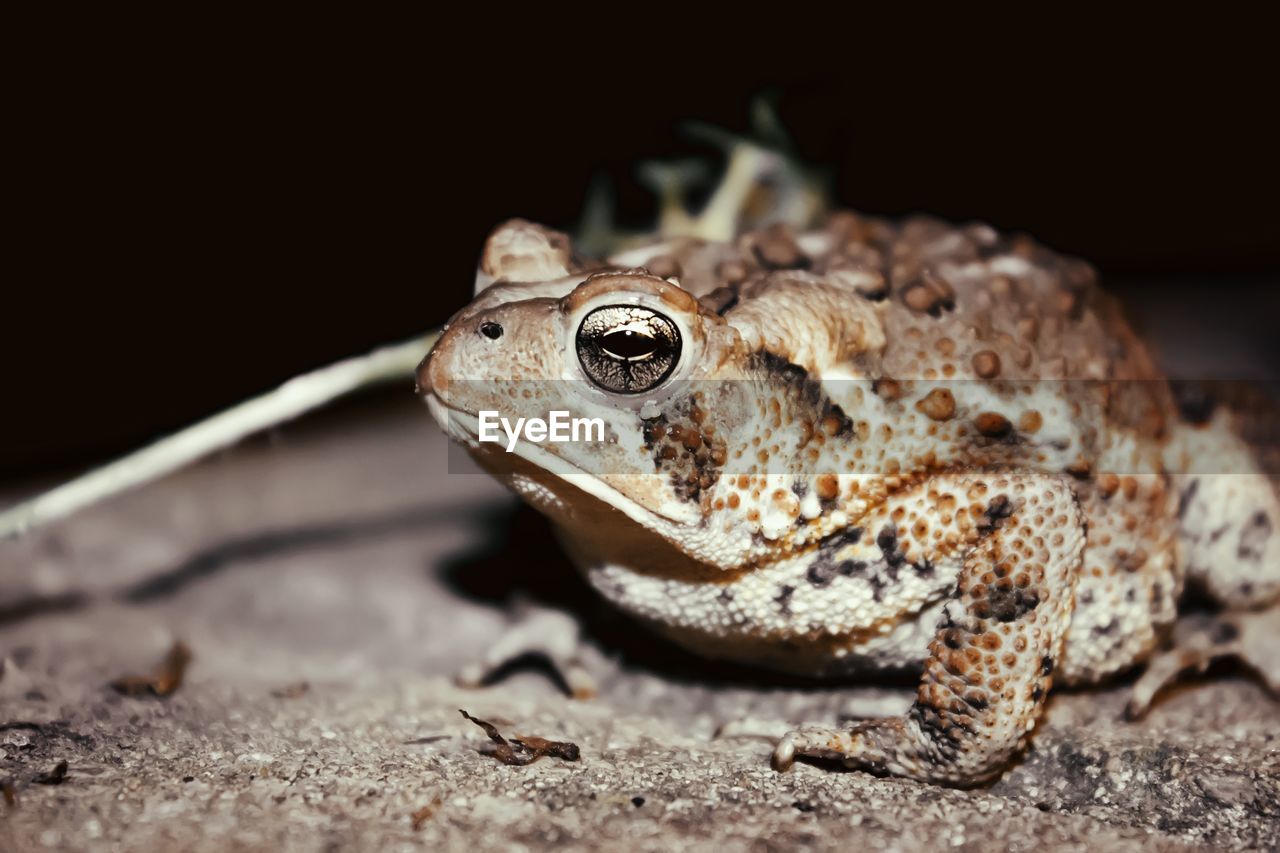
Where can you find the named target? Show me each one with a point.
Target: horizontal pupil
(628, 344)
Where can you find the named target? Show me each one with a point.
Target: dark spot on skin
(1046, 665)
(1131, 595)
(1008, 605)
(720, 300)
(799, 488)
(976, 701)
(825, 567)
(1254, 536)
(802, 806)
(930, 722)
(726, 595)
(1194, 401)
(878, 584)
(1225, 632)
(953, 639)
(784, 599)
(848, 536)
(1107, 629)
(887, 541)
(924, 568)
(637, 801)
(809, 391)
(1037, 693)
(1157, 598)
(848, 568)
(1215, 535)
(997, 511)
(820, 572)
(789, 374)
(1086, 597)
(680, 447)
(1184, 500)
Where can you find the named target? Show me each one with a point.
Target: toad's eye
(628, 349)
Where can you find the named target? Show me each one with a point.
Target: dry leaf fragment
(291, 691)
(165, 680)
(520, 751)
(422, 815)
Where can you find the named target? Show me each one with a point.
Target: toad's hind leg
(1228, 511)
(990, 664)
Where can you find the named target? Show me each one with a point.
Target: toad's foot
(990, 664)
(1251, 637)
(535, 632)
(854, 708)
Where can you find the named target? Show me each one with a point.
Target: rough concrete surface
(341, 554)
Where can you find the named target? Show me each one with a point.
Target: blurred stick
(295, 397)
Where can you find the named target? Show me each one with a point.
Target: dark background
(192, 230)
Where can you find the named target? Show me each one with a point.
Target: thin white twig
(295, 397)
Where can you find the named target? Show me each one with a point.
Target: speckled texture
(340, 553)
(906, 444)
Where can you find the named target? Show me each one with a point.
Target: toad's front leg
(990, 664)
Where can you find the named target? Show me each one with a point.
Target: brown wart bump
(939, 404)
(663, 266)
(1030, 421)
(1080, 468)
(887, 389)
(920, 298)
(939, 285)
(776, 248)
(1068, 301)
(848, 227)
(1108, 485)
(986, 364)
(1132, 561)
(828, 487)
(732, 271)
(1029, 329)
(993, 424)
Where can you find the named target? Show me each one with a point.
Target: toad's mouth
(464, 427)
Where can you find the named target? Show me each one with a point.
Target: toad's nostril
(491, 330)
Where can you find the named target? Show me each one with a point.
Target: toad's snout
(440, 362)
(426, 379)
(470, 348)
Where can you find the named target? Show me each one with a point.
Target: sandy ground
(330, 578)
